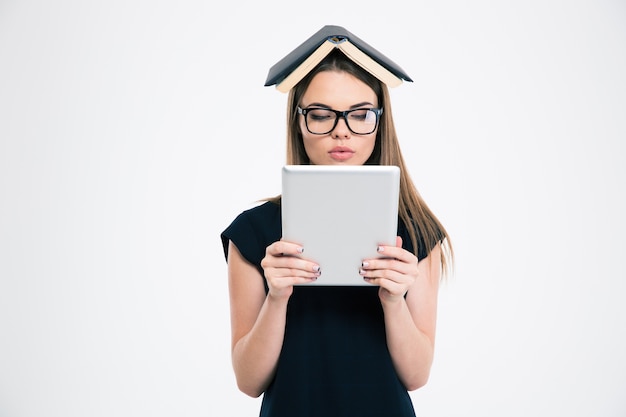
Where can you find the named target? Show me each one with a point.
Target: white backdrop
(132, 132)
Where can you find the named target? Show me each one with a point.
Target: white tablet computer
(340, 214)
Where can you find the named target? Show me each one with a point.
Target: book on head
(287, 72)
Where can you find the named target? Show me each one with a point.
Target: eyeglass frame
(340, 113)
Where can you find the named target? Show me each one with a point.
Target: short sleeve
(252, 231)
(403, 232)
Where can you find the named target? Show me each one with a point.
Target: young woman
(335, 351)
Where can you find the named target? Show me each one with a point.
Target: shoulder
(256, 217)
(267, 209)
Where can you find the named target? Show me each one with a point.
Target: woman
(335, 351)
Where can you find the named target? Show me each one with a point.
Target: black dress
(334, 360)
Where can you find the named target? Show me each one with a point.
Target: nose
(341, 130)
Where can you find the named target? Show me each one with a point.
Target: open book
(296, 65)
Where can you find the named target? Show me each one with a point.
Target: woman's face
(338, 91)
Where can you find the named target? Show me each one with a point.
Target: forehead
(338, 90)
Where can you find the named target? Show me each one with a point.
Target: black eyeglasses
(321, 121)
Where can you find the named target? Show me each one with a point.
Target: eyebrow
(354, 106)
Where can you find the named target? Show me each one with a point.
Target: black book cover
(289, 63)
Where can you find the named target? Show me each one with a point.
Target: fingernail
(380, 249)
(316, 268)
(365, 264)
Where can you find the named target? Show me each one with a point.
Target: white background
(132, 132)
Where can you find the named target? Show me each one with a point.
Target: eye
(362, 115)
(320, 115)
(358, 115)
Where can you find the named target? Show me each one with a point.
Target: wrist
(389, 301)
(278, 298)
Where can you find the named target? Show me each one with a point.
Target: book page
(305, 67)
(369, 64)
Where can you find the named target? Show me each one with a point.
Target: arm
(257, 326)
(257, 319)
(410, 321)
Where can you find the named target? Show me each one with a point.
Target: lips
(341, 153)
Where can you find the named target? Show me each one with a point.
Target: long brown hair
(427, 230)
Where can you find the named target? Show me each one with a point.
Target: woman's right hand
(284, 267)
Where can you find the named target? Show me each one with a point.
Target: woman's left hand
(395, 272)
